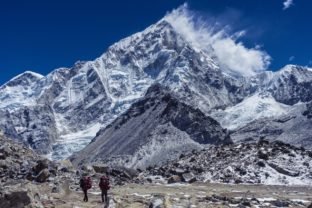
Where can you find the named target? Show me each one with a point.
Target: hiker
(104, 186)
(85, 185)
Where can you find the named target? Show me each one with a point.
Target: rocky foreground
(272, 163)
(28, 180)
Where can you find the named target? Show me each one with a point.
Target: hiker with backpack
(104, 186)
(85, 185)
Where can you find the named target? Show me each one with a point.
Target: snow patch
(252, 108)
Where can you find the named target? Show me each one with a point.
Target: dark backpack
(104, 183)
(85, 183)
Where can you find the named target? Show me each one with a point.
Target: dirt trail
(179, 195)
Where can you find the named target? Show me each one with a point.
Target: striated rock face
(292, 84)
(254, 163)
(79, 101)
(308, 111)
(293, 127)
(279, 110)
(33, 125)
(155, 129)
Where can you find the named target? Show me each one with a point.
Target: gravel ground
(195, 195)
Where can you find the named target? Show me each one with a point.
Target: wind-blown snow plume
(231, 53)
(291, 58)
(287, 4)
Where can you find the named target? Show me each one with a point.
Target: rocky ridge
(157, 128)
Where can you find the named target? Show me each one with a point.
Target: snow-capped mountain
(90, 95)
(19, 90)
(290, 85)
(60, 113)
(278, 110)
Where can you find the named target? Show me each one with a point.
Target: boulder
(280, 203)
(6, 150)
(56, 189)
(30, 177)
(18, 199)
(283, 170)
(188, 178)
(157, 203)
(87, 169)
(2, 156)
(100, 168)
(263, 155)
(238, 180)
(43, 176)
(245, 203)
(199, 169)
(262, 141)
(66, 166)
(178, 171)
(3, 164)
(41, 165)
(124, 172)
(174, 179)
(261, 163)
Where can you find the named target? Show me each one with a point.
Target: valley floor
(195, 195)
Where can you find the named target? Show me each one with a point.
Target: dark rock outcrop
(159, 119)
(18, 199)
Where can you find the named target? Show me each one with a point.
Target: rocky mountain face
(77, 102)
(155, 129)
(33, 125)
(293, 128)
(254, 163)
(278, 110)
(291, 85)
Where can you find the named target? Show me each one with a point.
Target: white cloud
(230, 53)
(287, 4)
(291, 58)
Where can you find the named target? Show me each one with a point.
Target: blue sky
(43, 35)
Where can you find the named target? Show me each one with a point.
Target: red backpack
(104, 183)
(86, 183)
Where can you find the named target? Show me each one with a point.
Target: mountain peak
(29, 74)
(25, 78)
(291, 67)
(151, 35)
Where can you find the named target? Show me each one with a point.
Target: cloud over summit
(232, 55)
(287, 4)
